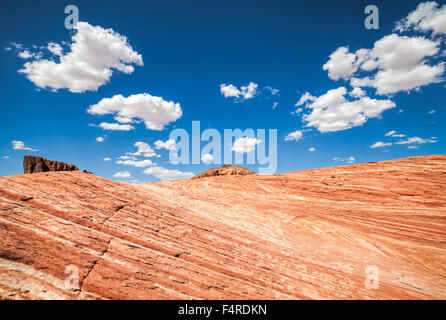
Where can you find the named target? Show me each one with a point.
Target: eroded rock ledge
(33, 164)
(225, 170)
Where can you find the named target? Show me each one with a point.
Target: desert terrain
(301, 235)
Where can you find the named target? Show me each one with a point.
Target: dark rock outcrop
(33, 164)
(225, 170)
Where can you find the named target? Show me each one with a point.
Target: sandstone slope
(300, 235)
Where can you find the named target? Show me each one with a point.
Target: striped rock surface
(312, 234)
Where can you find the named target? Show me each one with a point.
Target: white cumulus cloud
(357, 92)
(244, 93)
(229, 90)
(168, 144)
(401, 63)
(245, 144)
(207, 158)
(138, 164)
(341, 64)
(333, 112)
(154, 111)
(428, 16)
(396, 62)
(166, 174)
(304, 98)
(122, 174)
(94, 53)
(25, 54)
(294, 136)
(143, 150)
(55, 48)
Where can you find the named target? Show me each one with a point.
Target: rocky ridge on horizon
(225, 170)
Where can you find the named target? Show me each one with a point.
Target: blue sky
(190, 49)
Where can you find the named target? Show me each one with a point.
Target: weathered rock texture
(225, 170)
(33, 164)
(301, 235)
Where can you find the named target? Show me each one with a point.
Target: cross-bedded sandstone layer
(301, 235)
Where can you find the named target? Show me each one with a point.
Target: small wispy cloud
(272, 91)
(381, 144)
(115, 126)
(20, 145)
(349, 160)
(294, 136)
(122, 174)
(416, 140)
(166, 174)
(394, 134)
(244, 93)
(135, 163)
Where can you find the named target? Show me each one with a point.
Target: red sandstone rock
(225, 170)
(33, 164)
(301, 235)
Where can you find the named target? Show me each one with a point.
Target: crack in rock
(95, 263)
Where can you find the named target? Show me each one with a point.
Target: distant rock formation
(225, 170)
(33, 164)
